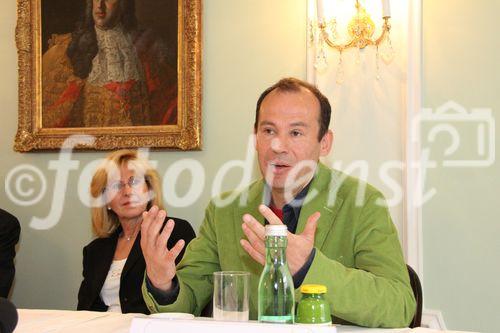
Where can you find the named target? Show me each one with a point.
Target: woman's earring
(109, 208)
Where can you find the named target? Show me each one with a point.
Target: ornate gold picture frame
(146, 93)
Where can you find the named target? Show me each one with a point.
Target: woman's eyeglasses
(133, 183)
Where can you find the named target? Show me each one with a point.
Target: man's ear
(326, 143)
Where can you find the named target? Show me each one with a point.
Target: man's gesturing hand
(299, 246)
(160, 261)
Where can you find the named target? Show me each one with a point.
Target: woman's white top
(110, 292)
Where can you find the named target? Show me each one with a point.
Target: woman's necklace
(128, 238)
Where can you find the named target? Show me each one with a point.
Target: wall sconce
(360, 31)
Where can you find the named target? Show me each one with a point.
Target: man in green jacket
(337, 237)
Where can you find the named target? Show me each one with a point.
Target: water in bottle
(276, 290)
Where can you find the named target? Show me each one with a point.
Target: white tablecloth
(56, 321)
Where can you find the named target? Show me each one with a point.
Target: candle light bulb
(320, 12)
(386, 8)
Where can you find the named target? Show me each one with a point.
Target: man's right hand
(160, 261)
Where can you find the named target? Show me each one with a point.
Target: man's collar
(257, 193)
(116, 30)
(296, 202)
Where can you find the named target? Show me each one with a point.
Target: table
(57, 321)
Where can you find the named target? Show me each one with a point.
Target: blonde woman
(122, 189)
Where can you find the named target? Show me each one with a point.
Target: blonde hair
(104, 221)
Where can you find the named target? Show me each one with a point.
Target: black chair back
(417, 291)
(208, 309)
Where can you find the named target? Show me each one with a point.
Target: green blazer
(358, 254)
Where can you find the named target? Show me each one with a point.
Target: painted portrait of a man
(109, 69)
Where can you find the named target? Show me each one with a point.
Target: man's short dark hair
(295, 85)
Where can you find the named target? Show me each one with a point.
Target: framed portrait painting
(125, 72)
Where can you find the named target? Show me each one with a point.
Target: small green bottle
(276, 290)
(313, 308)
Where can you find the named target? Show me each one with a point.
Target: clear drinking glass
(231, 296)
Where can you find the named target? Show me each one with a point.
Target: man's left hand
(299, 245)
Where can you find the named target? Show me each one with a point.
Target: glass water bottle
(276, 290)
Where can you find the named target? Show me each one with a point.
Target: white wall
(461, 224)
